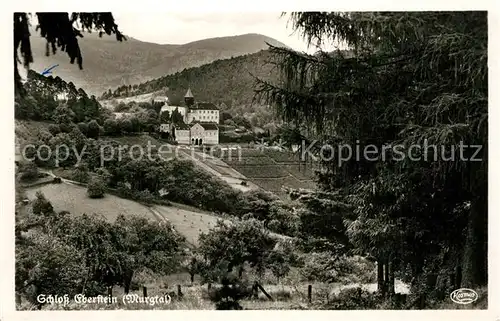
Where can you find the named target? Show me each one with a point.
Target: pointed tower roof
(189, 94)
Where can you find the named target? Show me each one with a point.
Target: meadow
(74, 199)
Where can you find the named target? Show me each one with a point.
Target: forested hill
(43, 94)
(228, 81)
(108, 63)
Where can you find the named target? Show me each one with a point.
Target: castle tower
(189, 98)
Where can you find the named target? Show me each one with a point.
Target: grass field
(188, 223)
(74, 199)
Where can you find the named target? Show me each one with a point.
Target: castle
(198, 125)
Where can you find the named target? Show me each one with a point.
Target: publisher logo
(463, 296)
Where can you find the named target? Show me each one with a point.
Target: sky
(180, 28)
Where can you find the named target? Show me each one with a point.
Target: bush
(96, 188)
(29, 171)
(328, 267)
(354, 299)
(229, 295)
(54, 129)
(145, 196)
(41, 206)
(83, 127)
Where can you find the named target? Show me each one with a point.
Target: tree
(58, 29)
(41, 206)
(224, 116)
(110, 127)
(403, 82)
(242, 121)
(93, 129)
(193, 264)
(230, 246)
(177, 117)
(96, 188)
(63, 116)
(146, 244)
(165, 117)
(29, 171)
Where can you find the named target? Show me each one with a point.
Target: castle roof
(189, 94)
(204, 106)
(207, 125)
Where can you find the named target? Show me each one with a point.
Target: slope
(228, 81)
(108, 63)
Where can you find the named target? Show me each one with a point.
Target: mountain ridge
(229, 81)
(108, 63)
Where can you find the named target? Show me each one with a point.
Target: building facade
(199, 125)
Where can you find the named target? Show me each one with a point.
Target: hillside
(108, 63)
(228, 81)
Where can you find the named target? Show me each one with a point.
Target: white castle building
(200, 120)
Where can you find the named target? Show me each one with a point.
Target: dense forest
(228, 81)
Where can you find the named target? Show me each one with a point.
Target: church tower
(189, 98)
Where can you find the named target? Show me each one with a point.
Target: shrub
(29, 171)
(83, 127)
(229, 295)
(329, 267)
(145, 196)
(354, 299)
(96, 188)
(45, 136)
(41, 206)
(54, 129)
(93, 129)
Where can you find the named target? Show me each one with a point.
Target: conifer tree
(409, 78)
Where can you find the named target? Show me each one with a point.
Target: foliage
(93, 129)
(49, 98)
(283, 219)
(28, 171)
(193, 264)
(84, 254)
(81, 173)
(41, 206)
(207, 82)
(46, 265)
(404, 81)
(228, 297)
(354, 299)
(149, 244)
(96, 188)
(57, 28)
(231, 246)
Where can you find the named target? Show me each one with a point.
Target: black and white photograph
(284, 160)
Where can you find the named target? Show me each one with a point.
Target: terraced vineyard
(270, 169)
